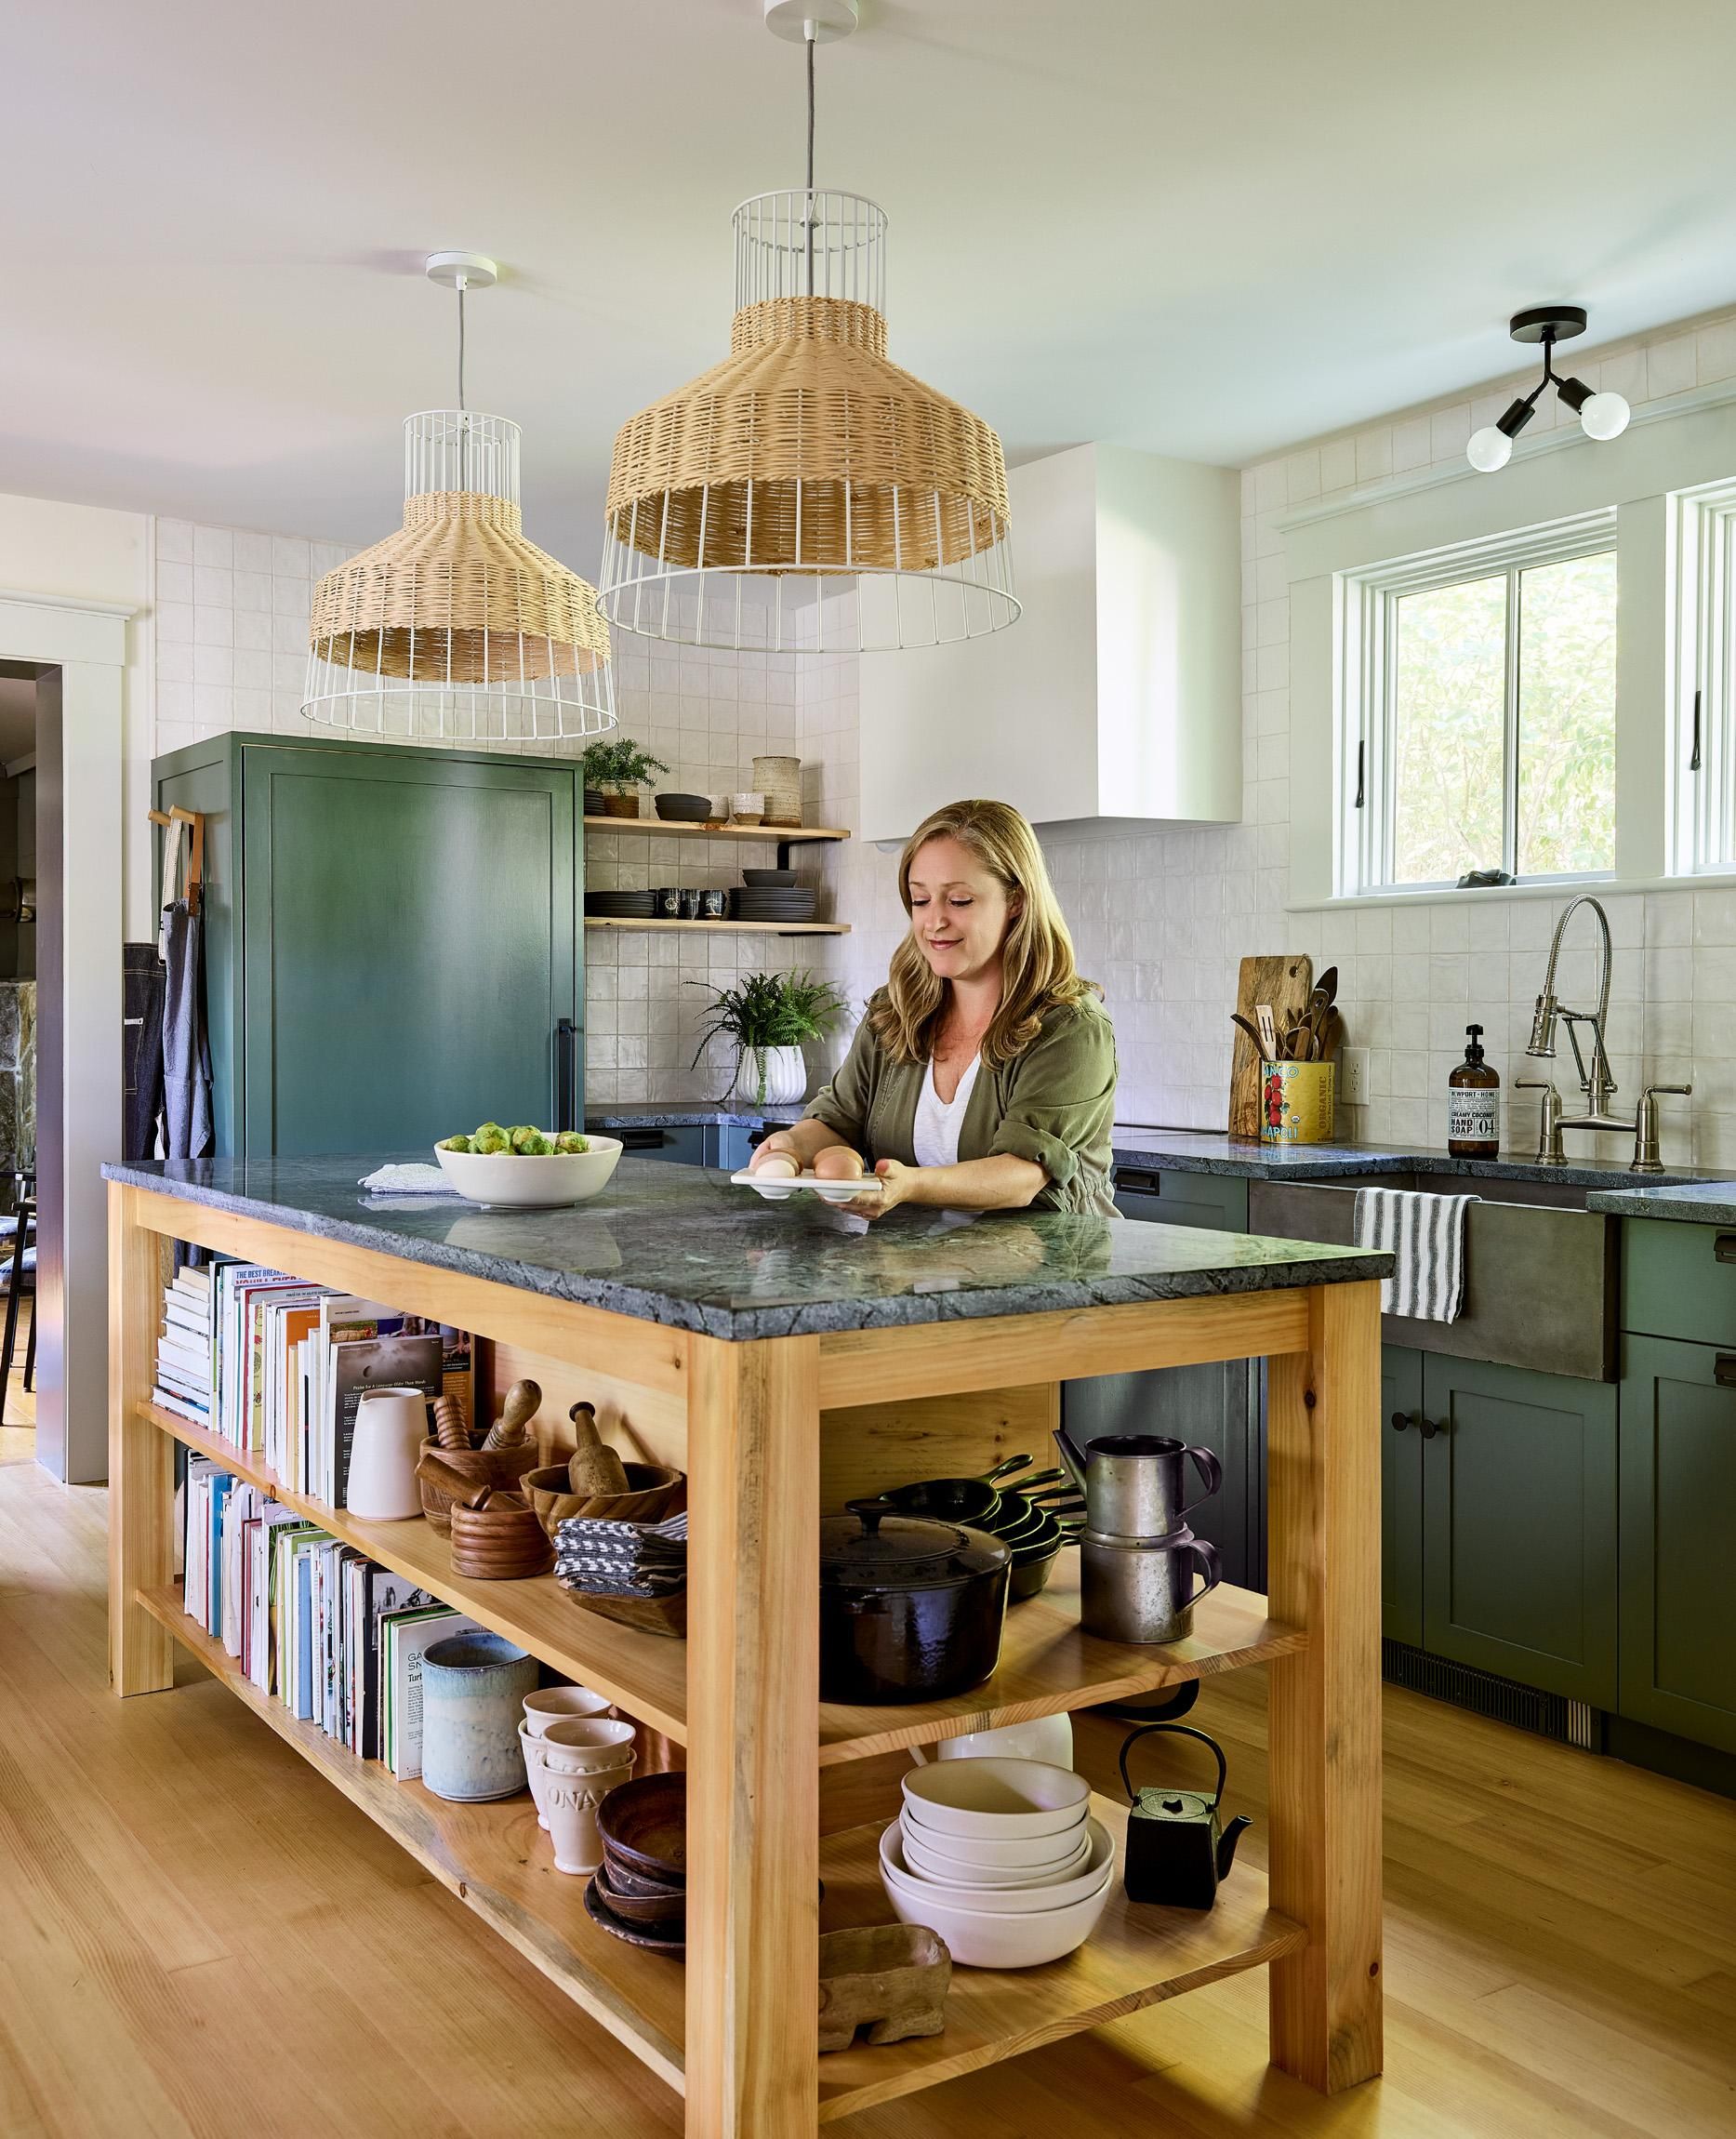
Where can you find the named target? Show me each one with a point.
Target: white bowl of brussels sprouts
(527, 1169)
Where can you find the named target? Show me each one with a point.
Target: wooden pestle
(593, 1466)
(451, 1429)
(512, 1429)
(464, 1492)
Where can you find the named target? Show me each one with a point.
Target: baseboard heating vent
(1502, 1700)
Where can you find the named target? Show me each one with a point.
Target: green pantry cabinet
(394, 938)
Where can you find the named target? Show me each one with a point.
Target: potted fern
(765, 1018)
(616, 769)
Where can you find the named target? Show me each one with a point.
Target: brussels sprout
(453, 1143)
(570, 1140)
(532, 1144)
(487, 1129)
(490, 1138)
(522, 1135)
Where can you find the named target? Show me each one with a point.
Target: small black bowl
(769, 879)
(683, 809)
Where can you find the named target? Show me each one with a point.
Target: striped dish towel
(1426, 1234)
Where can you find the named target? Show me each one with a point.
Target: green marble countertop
(679, 1246)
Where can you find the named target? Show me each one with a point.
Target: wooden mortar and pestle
(508, 1453)
(594, 1481)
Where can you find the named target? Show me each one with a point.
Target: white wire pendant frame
(457, 628)
(757, 562)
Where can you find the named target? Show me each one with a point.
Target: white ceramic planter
(772, 1077)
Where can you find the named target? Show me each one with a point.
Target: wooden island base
(757, 1424)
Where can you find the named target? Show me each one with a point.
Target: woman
(983, 1076)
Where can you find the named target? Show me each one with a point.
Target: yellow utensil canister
(1297, 1102)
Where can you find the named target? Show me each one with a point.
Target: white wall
(1161, 916)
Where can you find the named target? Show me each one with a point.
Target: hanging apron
(187, 1119)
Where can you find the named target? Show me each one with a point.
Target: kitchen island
(770, 1347)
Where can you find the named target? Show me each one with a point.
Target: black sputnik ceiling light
(1600, 415)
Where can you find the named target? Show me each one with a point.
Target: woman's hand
(896, 1182)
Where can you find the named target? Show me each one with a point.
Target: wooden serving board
(1286, 983)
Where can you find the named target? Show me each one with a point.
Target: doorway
(20, 837)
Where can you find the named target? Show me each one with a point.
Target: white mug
(391, 1425)
(1044, 1738)
(580, 1744)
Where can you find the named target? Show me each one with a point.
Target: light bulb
(1490, 448)
(1604, 415)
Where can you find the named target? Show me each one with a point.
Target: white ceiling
(1202, 227)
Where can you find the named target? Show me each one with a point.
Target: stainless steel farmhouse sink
(1540, 1269)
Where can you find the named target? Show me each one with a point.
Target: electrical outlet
(1352, 1076)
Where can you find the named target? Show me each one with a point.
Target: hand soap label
(1473, 1117)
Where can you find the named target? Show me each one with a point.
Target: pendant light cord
(461, 283)
(810, 26)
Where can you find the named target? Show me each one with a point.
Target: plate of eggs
(778, 1179)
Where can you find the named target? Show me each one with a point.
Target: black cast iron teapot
(1176, 1853)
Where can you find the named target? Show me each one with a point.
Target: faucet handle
(1549, 1147)
(1646, 1159)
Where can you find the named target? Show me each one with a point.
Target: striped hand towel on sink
(1426, 1234)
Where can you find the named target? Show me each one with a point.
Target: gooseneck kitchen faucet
(1597, 1081)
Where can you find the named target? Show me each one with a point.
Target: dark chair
(20, 1281)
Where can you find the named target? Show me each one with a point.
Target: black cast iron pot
(910, 1610)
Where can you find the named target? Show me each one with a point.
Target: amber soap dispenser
(1474, 1103)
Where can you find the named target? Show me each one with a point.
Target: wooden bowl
(650, 1614)
(654, 1493)
(500, 1466)
(643, 1825)
(668, 1905)
(499, 1544)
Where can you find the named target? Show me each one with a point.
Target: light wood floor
(197, 1937)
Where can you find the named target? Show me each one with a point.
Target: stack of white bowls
(1002, 1857)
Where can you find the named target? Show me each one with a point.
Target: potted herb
(766, 1016)
(617, 770)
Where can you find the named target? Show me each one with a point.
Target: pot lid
(875, 1546)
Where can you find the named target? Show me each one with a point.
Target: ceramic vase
(772, 1077)
(473, 1689)
(391, 1425)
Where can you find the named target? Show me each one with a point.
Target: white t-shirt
(935, 1137)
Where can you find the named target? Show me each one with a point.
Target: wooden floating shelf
(661, 828)
(1049, 1665)
(645, 1673)
(493, 1856)
(1136, 1957)
(727, 928)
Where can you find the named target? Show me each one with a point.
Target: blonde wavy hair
(1036, 962)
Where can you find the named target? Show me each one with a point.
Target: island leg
(1323, 1486)
(142, 1463)
(753, 1740)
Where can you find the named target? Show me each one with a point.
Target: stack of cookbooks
(183, 1377)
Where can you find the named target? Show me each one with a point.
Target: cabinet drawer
(1679, 1281)
(1163, 1197)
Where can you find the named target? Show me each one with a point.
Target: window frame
(1703, 572)
(1368, 601)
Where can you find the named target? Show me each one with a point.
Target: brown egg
(837, 1163)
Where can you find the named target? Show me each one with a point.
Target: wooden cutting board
(1286, 983)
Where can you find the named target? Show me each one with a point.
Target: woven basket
(500, 1466)
(620, 805)
(805, 449)
(458, 596)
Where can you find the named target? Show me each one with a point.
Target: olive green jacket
(1052, 1105)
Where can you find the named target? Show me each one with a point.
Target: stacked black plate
(619, 905)
(793, 902)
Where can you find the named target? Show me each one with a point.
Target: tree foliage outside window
(1501, 746)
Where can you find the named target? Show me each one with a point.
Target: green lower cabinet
(1678, 1571)
(1401, 1495)
(1519, 1525)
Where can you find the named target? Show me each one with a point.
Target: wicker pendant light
(806, 493)
(457, 628)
